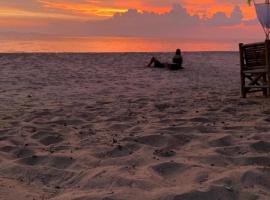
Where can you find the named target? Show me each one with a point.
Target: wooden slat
(253, 44)
(254, 55)
(253, 91)
(255, 71)
(256, 86)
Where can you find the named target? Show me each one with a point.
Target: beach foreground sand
(102, 126)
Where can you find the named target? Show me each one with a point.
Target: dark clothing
(158, 64)
(175, 66)
(178, 60)
(177, 63)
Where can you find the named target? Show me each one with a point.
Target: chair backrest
(253, 56)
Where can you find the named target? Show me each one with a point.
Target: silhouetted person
(175, 65)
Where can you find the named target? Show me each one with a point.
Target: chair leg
(267, 77)
(265, 92)
(243, 92)
(265, 83)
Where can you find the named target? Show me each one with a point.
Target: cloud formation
(178, 22)
(94, 9)
(220, 19)
(186, 18)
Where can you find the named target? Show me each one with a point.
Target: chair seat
(256, 86)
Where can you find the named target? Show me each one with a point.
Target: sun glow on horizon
(83, 9)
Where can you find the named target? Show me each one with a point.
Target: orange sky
(100, 9)
(21, 18)
(63, 16)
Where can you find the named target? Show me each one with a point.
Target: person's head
(178, 52)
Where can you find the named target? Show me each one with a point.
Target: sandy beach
(104, 127)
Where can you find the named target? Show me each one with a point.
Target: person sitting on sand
(175, 65)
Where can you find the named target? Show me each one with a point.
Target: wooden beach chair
(254, 62)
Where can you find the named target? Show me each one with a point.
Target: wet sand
(104, 127)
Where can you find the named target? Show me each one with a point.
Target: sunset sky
(16, 10)
(102, 17)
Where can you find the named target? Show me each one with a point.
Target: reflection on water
(111, 44)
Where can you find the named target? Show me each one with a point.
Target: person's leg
(153, 60)
(158, 64)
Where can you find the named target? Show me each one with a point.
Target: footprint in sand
(261, 146)
(257, 160)
(34, 160)
(17, 151)
(201, 120)
(112, 181)
(182, 139)
(47, 137)
(51, 140)
(232, 151)
(7, 149)
(169, 168)
(22, 152)
(59, 162)
(91, 198)
(66, 122)
(216, 160)
(221, 142)
(166, 153)
(258, 177)
(120, 151)
(267, 119)
(202, 177)
(104, 198)
(162, 106)
(229, 110)
(153, 140)
(48, 176)
(172, 141)
(215, 193)
(3, 138)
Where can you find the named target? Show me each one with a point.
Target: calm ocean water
(110, 44)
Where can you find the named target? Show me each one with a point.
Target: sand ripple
(103, 127)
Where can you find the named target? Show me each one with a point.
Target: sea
(112, 44)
